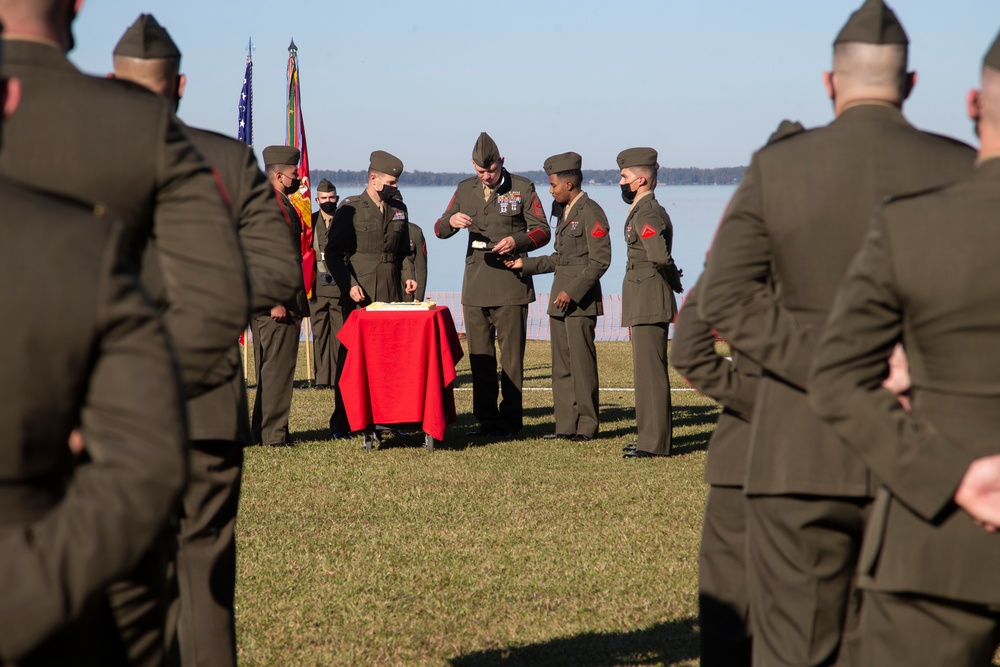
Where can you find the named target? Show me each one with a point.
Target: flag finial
(292, 48)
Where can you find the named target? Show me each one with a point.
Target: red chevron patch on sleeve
(536, 207)
(647, 231)
(598, 232)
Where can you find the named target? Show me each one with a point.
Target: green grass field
(527, 552)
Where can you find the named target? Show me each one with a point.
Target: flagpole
(245, 133)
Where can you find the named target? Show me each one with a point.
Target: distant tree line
(667, 176)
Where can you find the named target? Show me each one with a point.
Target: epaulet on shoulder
(786, 129)
(522, 179)
(958, 143)
(219, 135)
(124, 84)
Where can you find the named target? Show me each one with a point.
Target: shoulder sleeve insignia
(536, 207)
(598, 232)
(647, 231)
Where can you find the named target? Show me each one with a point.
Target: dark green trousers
(574, 375)
(802, 553)
(206, 556)
(327, 318)
(276, 348)
(484, 328)
(723, 602)
(141, 600)
(652, 388)
(919, 631)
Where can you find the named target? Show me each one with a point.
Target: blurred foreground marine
(68, 530)
(218, 423)
(932, 586)
(797, 221)
(123, 147)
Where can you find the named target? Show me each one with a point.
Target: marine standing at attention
(276, 333)
(796, 222)
(932, 586)
(325, 310)
(582, 255)
(648, 304)
(505, 218)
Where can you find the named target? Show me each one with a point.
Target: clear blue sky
(704, 82)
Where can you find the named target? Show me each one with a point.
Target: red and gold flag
(296, 136)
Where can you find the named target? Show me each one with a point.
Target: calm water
(694, 209)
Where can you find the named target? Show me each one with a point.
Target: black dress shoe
(321, 387)
(558, 436)
(579, 437)
(639, 454)
(629, 447)
(340, 435)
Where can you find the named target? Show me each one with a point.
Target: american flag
(245, 132)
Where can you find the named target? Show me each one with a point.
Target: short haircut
(878, 68)
(574, 176)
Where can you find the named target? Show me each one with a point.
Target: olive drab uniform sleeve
(583, 255)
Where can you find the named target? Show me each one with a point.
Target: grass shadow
(662, 644)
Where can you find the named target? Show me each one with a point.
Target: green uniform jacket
(651, 277)
(111, 142)
(321, 236)
(417, 259)
(795, 222)
(919, 541)
(513, 209)
(273, 269)
(367, 247)
(733, 383)
(94, 356)
(582, 255)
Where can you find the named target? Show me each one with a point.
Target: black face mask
(294, 187)
(387, 192)
(328, 207)
(627, 195)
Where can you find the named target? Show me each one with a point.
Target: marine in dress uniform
(123, 147)
(796, 221)
(218, 422)
(582, 255)
(504, 217)
(932, 586)
(370, 238)
(417, 259)
(68, 530)
(325, 310)
(276, 334)
(723, 603)
(648, 304)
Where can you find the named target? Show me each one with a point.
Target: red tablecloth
(400, 368)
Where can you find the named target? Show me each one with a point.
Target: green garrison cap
(281, 155)
(563, 162)
(326, 186)
(873, 23)
(637, 157)
(385, 163)
(992, 59)
(485, 152)
(147, 39)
